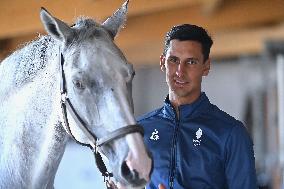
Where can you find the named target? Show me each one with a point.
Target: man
(194, 144)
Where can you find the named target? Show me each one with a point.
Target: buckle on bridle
(107, 176)
(63, 97)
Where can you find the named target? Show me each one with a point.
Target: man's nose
(180, 69)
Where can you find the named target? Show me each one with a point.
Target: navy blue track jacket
(205, 148)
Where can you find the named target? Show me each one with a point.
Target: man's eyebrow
(192, 58)
(172, 56)
(189, 58)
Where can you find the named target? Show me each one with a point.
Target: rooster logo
(155, 135)
(197, 141)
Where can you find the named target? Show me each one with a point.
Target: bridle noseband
(94, 142)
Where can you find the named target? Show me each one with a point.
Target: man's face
(184, 66)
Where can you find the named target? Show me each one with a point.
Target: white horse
(74, 78)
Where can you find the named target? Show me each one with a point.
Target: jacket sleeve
(239, 159)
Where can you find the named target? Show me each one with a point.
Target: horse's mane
(23, 65)
(32, 58)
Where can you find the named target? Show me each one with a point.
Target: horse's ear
(55, 27)
(114, 23)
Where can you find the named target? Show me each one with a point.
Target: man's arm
(239, 160)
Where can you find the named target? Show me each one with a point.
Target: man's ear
(207, 65)
(162, 63)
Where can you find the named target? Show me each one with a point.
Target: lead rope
(102, 168)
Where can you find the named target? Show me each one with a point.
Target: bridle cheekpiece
(94, 142)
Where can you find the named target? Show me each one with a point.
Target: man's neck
(177, 101)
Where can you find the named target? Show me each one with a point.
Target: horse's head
(98, 79)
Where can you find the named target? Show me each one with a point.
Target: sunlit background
(246, 79)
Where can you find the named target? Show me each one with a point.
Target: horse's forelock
(86, 28)
(85, 22)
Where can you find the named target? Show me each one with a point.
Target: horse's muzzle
(132, 176)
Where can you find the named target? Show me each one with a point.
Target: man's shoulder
(225, 125)
(214, 113)
(149, 115)
(223, 117)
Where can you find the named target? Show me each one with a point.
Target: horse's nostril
(132, 176)
(127, 173)
(125, 170)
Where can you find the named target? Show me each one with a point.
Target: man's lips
(180, 82)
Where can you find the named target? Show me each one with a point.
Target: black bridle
(94, 142)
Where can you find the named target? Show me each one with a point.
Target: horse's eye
(78, 84)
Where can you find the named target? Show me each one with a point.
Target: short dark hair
(190, 32)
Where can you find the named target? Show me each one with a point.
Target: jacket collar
(186, 110)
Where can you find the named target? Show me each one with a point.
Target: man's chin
(178, 92)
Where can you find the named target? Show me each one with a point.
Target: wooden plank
(211, 6)
(142, 39)
(150, 30)
(226, 45)
(245, 42)
(233, 15)
(20, 17)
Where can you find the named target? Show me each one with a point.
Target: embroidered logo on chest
(197, 140)
(155, 135)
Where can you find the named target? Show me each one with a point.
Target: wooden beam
(150, 30)
(226, 45)
(233, 15)
(142, 39)
(211, 6)
(245, 42)
(20, 17)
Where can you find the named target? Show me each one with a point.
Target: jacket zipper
(173, 151)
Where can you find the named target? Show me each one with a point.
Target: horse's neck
(33, 141)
